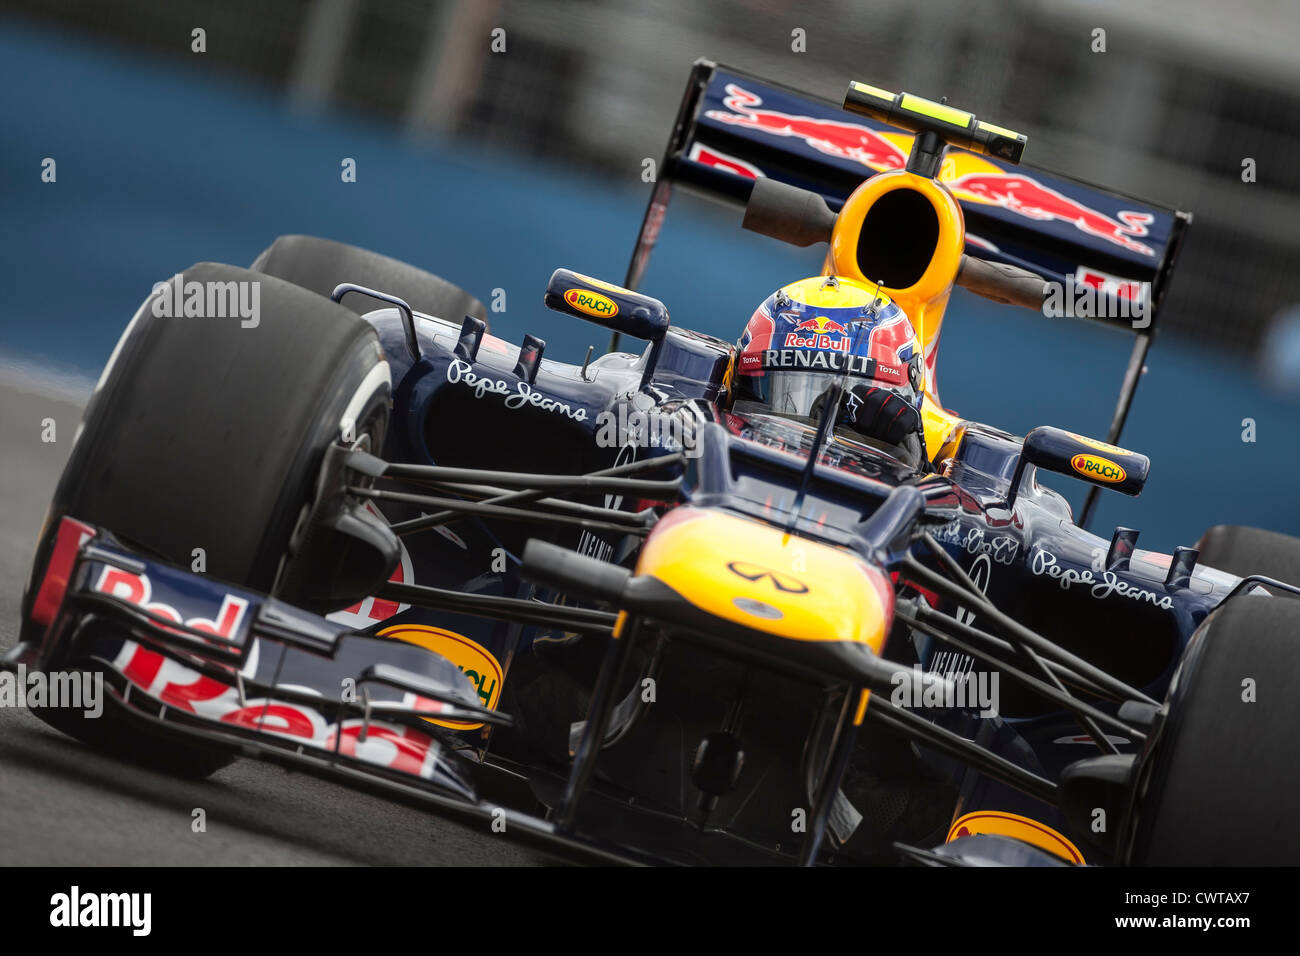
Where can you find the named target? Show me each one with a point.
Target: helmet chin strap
(831, 408)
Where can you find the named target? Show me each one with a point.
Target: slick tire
(322, 264)
(209, 433)
(1218, 785)
(1241, 551)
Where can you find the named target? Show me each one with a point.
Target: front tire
(209, 433)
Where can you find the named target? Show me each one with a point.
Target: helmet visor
(790, 393)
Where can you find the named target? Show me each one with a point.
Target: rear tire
(1219, 783)
(1242, 551)
(204, 433)
(321, 265)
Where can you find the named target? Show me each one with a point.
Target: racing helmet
(803, 338)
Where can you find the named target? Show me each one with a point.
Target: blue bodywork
(1032, 561)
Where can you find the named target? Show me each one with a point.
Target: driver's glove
(879, 413)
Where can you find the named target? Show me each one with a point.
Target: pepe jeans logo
(592, 303)
(1101, 469)
(1044, 563)
(521, 395)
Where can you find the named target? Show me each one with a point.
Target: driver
(801, 339)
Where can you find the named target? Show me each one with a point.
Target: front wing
(231, 669)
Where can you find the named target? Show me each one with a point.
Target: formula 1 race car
(709, 602)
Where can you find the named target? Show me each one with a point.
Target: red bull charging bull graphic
(833, 137)
(1027, 197)
(774, 122)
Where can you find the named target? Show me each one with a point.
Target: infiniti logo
(755, 572)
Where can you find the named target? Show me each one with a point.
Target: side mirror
(616, 308)
(1094, 461)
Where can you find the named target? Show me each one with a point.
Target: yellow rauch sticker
(473, 660)
(1014, 825)
(593, 303)
(1100, 469)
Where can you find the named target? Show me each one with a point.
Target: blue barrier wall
(164, 163)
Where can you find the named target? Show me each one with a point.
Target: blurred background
(492, 166)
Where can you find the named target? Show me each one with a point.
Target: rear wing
(733, 127)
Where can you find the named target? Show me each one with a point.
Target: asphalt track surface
(62, 804)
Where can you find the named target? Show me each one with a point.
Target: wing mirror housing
(622, 310)
(1095, 462)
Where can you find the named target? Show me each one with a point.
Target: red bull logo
(823, 333)
(793, 340)
(822, 326)
(844, 140)
(1029, 198)
(137, 589)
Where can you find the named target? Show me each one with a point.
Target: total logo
(891, 373)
